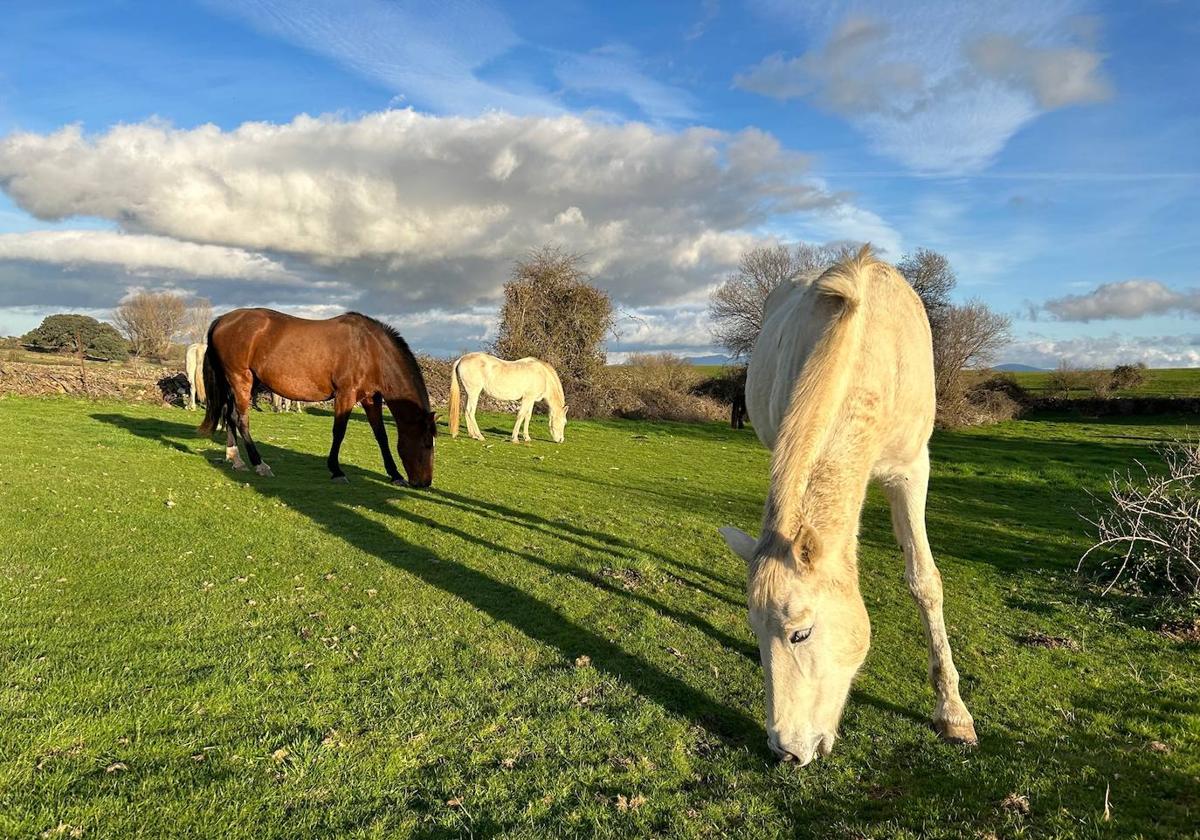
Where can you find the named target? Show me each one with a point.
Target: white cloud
(413, 211)
(939, 91)
(1125, 299)
(1096, 352)
(140, 254)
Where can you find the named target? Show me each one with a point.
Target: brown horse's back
(297, 358)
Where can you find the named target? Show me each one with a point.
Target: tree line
(144, 325)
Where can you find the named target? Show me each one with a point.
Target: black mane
(406, 354)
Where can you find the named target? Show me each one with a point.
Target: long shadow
(581, 537)
(504, 602)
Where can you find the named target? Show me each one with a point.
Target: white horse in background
(841, 387)
(194, 365)
(527, 380)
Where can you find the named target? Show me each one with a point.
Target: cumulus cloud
(1125, 299)
(417, 212)
(1095, 352)
(140, 254)
(939, 92)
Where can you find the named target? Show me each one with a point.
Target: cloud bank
(938, 92)
(402, 212)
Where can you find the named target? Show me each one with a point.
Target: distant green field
(1160, 382)
(551, 641)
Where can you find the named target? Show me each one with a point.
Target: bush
(553, 312)
(992, 400)
(1128, 377)
(662, 370)
(1147, 533)
(1066, 378)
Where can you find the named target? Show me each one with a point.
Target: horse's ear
(805, 547)
(741, 543)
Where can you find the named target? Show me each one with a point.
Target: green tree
(79, 335)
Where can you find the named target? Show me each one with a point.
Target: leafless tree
(966, 336)
(196, 322)
(150, 320)
(553, 311)
(932, 278)
(736, 306)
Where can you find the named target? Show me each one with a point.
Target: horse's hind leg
(341, 416)
(906, 493)
(231, 448)
(472, 424)
(241, 387)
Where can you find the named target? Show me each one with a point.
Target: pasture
(551, 640)
(1160, 382)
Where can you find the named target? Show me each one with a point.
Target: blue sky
(395, 157)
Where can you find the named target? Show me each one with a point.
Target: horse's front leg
(375, 418)
(341, 416)
(524, 411)
(906, 491)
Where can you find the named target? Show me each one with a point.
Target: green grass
(289, 658)
(1160, 382)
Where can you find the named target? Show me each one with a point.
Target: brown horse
(348, 359)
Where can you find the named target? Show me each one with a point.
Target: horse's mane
(406, 355)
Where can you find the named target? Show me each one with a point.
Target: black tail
(217, 386)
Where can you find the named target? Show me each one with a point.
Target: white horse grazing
(194, 365)
(527, 380)
(841, 388)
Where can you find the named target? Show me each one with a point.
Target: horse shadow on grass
(337, 513)
(940, 777)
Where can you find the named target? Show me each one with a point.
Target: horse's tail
(816, 400)
(455, 399)
(201, 390)
(216, 387)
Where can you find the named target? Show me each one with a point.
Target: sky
(396, 157)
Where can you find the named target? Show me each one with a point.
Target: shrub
(995, 399)
(1147, 532)
(1128, 377)
(553, 312)
(661, 370)
(1066, 378)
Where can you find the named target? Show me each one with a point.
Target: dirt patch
(1036, 638)
(1186, 630)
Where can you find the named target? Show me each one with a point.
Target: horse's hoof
(239, 466)
(264, 470)
(340, 479)
(399, 482)
(956, 732)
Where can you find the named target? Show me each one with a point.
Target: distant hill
(1014, 368)
(715, 359)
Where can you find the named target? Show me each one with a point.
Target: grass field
(1160, 382)
(192, 652)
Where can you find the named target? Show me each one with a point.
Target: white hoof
(263, 469)
(340, 479)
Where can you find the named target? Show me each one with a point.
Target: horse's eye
(799, 636)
